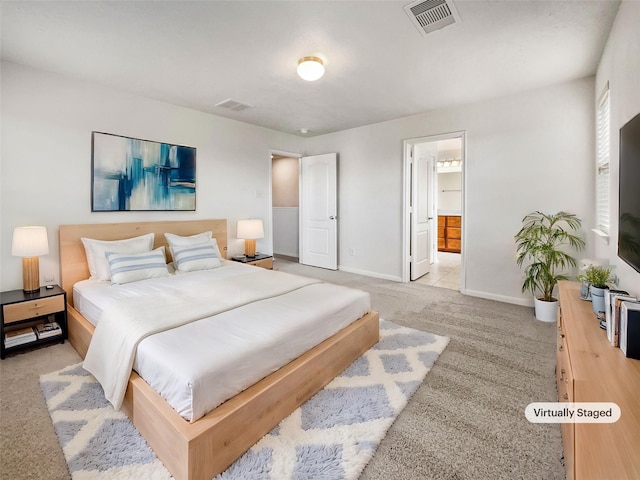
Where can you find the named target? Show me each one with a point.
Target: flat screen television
(629, 216)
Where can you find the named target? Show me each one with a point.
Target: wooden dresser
(449, 233)
(589, 369)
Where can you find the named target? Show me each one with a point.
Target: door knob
(332, 217)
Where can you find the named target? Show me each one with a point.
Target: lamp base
(250, 247)
(30, 274)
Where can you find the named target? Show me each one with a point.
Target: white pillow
(131, 267)
(174, 239)
(204, 237)
(96, 249)
(189, 258)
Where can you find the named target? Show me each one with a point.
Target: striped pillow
(131, 267)
(180, 241)
(189, 258)
(96, 249)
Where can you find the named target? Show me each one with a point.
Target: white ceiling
(378, 65)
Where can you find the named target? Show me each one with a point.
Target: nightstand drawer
(33, 308)
(265, 263)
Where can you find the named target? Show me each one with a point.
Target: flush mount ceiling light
(310, 68)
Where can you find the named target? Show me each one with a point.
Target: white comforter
(124, 324)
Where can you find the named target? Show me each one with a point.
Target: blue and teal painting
(130, 174)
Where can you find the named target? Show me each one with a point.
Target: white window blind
(602, 163)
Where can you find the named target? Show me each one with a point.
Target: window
(602, 163)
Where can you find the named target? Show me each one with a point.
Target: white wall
(620, 66)
(449, 193)
(526, 152)
(46, 159)
(285, 182)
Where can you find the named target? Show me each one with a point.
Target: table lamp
(250, 230)
(29, 243)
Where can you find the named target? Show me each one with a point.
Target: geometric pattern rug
(332, 436)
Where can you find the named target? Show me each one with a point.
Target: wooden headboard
(73, 260)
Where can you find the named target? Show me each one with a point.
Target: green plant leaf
(540, 248)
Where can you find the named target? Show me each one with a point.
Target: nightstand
(260, 260)
(24, 318)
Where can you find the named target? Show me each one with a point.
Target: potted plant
(585, 293)
(541, 244)
(598, 277)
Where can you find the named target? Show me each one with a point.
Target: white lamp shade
(310, 68)
(29, 242)
(250, 229)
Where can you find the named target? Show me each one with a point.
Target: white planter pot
(597, 299)
(546, 311)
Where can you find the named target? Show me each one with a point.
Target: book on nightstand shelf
(46, 330)
(19, 337)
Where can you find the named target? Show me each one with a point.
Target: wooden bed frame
(206, 447)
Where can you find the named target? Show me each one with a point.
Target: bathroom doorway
(437, 201)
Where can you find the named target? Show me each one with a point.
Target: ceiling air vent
(233, 105)
(431, 15)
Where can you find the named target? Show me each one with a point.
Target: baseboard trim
(289, 258)
(287, 254)
(500, 298)
(367, 273)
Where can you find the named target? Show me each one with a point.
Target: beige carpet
(465, 422)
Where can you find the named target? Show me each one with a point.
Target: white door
(319, 211)
(422, 167)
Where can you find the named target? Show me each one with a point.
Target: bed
(207, 446)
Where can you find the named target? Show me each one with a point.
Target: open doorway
(285, 207)
(304, 208)
(434, 207)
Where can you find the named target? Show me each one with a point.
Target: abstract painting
(129, 174)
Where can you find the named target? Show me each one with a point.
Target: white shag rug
(332, 436)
